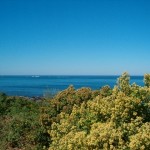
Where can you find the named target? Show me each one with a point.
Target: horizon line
(68, 75)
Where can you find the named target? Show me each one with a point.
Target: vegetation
(117, 118)
(19, 123)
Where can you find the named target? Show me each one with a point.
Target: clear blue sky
(73, 37)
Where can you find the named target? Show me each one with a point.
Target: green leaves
(124, 83)
(147, 80)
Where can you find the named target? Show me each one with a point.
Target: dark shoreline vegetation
(109, 118)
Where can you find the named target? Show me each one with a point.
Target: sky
(74, 37)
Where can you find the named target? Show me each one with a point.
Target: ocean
(40, 85)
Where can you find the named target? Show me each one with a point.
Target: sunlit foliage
(147, 79)
(117, 120)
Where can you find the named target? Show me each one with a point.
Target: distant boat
(35, 76)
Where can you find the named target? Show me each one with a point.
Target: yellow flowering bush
(117, 118)
(147, 79)
(141, 140)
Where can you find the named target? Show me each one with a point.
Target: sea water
(39, 85)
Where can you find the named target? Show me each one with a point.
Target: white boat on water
(35, 76)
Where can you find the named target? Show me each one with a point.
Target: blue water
(39, 85)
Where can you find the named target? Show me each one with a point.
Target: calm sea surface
(40, 85)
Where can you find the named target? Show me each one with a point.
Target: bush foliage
(117, 118)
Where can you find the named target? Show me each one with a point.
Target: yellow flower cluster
(117, 120)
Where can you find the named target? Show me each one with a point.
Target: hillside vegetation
(83, 119)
